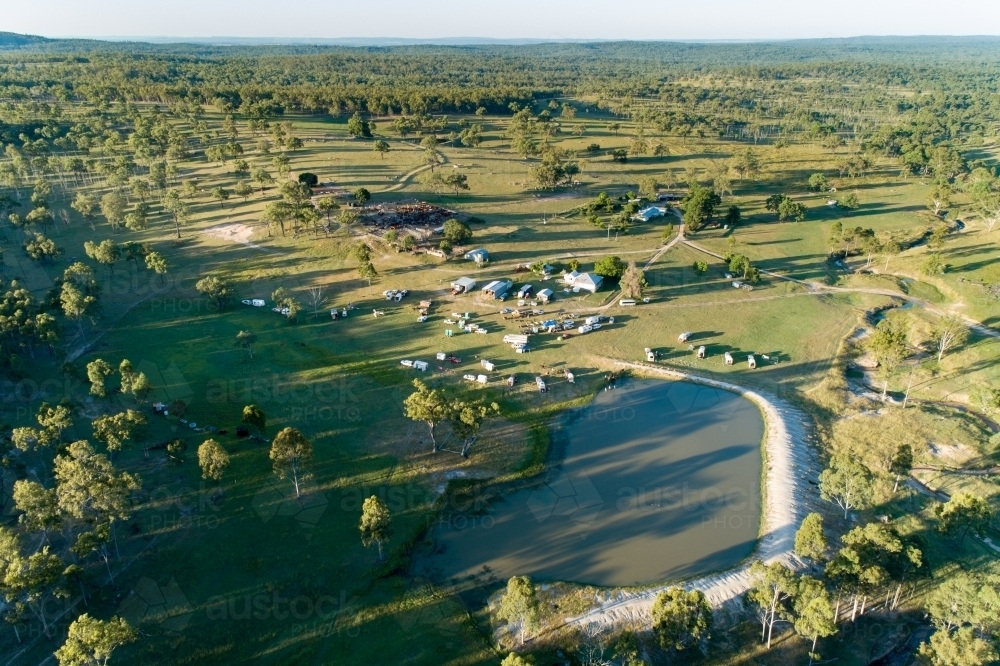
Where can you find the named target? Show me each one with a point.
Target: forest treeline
(832, 79)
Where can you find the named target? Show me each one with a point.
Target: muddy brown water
(658, 480)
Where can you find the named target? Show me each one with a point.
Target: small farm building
(462, 285)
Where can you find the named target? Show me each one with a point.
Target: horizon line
(473, 40)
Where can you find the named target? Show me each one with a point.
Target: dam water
(653, 481)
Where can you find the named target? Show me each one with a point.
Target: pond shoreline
(790, 462)
(656, 480)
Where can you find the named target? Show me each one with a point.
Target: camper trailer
(729, 358)
(650, 355)
(701, 351)
(751, 361)
(487, 365)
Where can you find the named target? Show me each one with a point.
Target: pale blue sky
(546, 19)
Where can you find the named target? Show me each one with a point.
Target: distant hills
(14, 40)
(345, 41)
(983, 45)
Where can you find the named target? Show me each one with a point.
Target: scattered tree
(610, 267)
(933, 265)
(246, 339)
(255, 419)
(358, 127)
(888, 345)
(818, 183)
(467, 417)
(427, 405)
(902, 463)
(114, 430)
(39, 507)
(376, 523)
(519, 606)
(633, 281)
(814, 614)
(213, 460)
(91, 642)
(774, 585)
(98, 371)
(291, 453)
(810, 541)
(964, 512)
(456, 233)
(681, 619)
(747, 164)
(958, 648)
(950, 332)
(847, 482)
(698, 206)
(216, 288)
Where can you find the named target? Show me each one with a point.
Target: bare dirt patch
(235, 233)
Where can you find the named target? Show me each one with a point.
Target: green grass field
(245, 572)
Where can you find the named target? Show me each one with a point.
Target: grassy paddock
(341, 382)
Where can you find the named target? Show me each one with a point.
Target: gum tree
(291, 453)
(376, 523)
